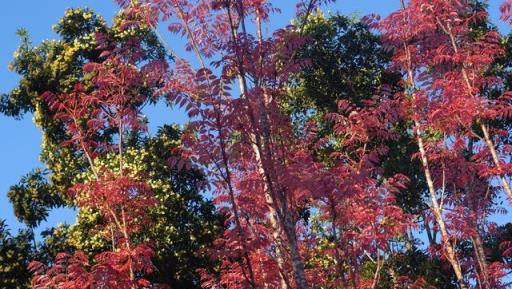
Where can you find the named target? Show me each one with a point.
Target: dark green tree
(346, 62)
(15, 252)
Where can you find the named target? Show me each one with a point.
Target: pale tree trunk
(496, 160)
(438, 214)
(487, 138)
(225, 162)
(479, 250)
(436, 208)
(231, 192)
(280, 216)
(479, 247)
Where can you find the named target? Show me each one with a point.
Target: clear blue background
(20, 140)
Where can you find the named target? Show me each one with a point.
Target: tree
(13, 258)
(249, 145)
(348, 62)
(184, 222)
(345, 53)
(264, 175)
(122, 199)
(32, 199)
(439, 54)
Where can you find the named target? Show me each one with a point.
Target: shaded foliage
(15, 254)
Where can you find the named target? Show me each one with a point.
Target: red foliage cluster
(111, 270)
(91, 114)
(437, 34)
(444, 63)
(113, 100)
(119, 199)
(264, 174)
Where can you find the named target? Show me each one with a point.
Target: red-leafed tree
(97, 116)
(264, 174)
(445, 63)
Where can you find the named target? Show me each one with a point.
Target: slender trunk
(476, 240)
(488, 141)
(234, 204)
(287, 218)
(337, 255)
(445, 236)
(112, 236)
(376, 275)
(245, 250)
(124, 226)
(297, 263)
(120, 146)
(268, 184)
(430, 235)
(274, 223)
(34, 241)
(231, 193)
(127, 243)
(86, 152)
(478, 248)
(496, 160)
(260, 148)
(436, 208)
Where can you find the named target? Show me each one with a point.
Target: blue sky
(20, 144)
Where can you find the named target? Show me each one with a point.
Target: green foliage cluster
(13, 258)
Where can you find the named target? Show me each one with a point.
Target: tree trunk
(449, 246)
